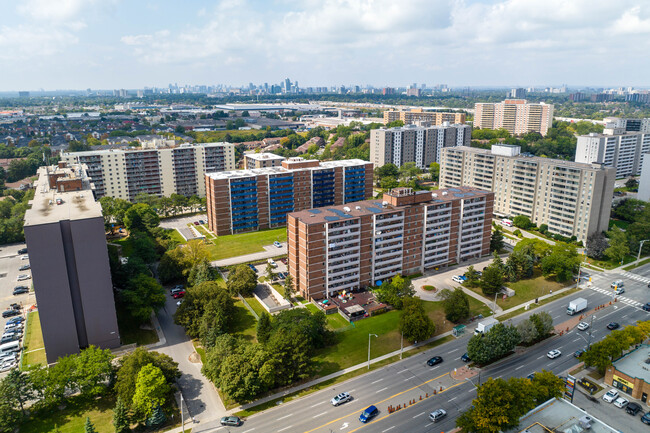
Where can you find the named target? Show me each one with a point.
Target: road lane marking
(420, 414)
(521, 366)
(378, 380)
(407, 379)
(451, 351)
(472, 390)
(383, 389)
(352, 390)
(386, 399)
(452, 399)
(541, 357)
(320, 414)
(286, 416)
(250, 429)
(573, 341)
(318, 404)
(283, 429)
(388, 429)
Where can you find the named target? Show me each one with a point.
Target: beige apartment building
(262, 160)
(159, 170)
(419, 115)
(573, 199)
(353, 246)
(517, 116)
(418, 144)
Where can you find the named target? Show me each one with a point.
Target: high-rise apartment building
(644, 181)
(159, 170)
(249, 200)
(571, 198)
(338, 248)
(518, 93)
(418, 144)
(65, 235)
(517, 116)
(262, 160)
(419, 115)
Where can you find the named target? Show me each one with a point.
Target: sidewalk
(517, 307)
(269, 252)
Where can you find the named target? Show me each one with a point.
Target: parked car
(583, 326)
(435, 360)
(179, 294)
(646, 307)
(196, 223)
(437, 415)
(234, 421)
(15, 319)
(10, 336)
(253, 268)
(19, 290)
(368, 414)
(7, 366)
(10, 312)
(277, 244)
(343, 397)
(272, 263)
(201, 222)
(25, 257)
(458, 279)
(23, 277)
(24, 267)
(578, 353)
(613, 325)
(22, 251)
(610, 396)
(531, 376)
(621, 402)
(465, 357)
(633, 408)
(553, 354)
(645, 419)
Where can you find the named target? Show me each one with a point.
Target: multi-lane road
(405, 381)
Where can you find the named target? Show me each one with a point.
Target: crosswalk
(623, 299)
(636, 277)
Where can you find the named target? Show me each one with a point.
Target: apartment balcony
(388, 248)
(344, 276)
(436, 261)
(338, 250)
(389, 228)
(384, 241)
(343, 285)
(351, 228)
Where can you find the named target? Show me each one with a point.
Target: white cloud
(631, 23)
(54, 10)
(25, 42)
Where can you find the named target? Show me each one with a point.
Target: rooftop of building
(528, 157)
(411, 127)
(265, 156)
(635, 363)
(233, 174)
(373, 207)
(127, 148)
(51, 205)
(559, 415)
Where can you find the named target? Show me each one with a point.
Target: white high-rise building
(517, 116)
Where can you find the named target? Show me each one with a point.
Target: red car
(180, 294)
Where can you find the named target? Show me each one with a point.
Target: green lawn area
(510, 315)
(205, 232)
(243, 322)
(609, 264)
(528, 289)
(216, 136)
(245, 243)
(255, 305)
(176, 236)
(311, 307)
(619, 223)
(127, 249)
(73, 417)
(34, 349)
(641, 263)
(335, 321)
(130, 331)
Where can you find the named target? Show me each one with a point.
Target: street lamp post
(638, 257)
(401, 345)
(495, 302)
(370, 335)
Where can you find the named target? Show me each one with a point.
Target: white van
(11, 347)
(506, 222)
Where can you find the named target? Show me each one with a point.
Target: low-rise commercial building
(571, 198)
(418, 144)
(419, 115)
(517, 116)
(336, 248)
(559, 415)
(249, 200)
(65, 235)
(631, 373)
(159, 170)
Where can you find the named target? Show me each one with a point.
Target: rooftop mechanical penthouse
(249, 200)
(336, 248)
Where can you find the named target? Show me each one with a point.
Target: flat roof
(75, 205)
(126, 148)
(559, 415)
(635, 363)
(234, 174)
(263, 156)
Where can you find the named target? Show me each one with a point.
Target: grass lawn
(175, 236)
(335, 321)
(641, 263)
(73, 417)
(311, 307)
(127, 249)
(255, 305)
(205, 232)
(245, 243)
(243, 322)
(510, 315)
(528, 289)
(609, 264)
(130, 331)
(34, 349)
(618, 223)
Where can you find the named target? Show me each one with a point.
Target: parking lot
(610, 414)
(183, 221)
(10, 263)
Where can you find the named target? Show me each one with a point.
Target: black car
(10, 313)
(633, 408)
(613, 325)
(646, 307)
(465, 358)
(435, 360)
(19, 290)
(231, 421)
(22, 251)
(578, 353)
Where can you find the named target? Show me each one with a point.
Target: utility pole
(369, 335)
(401, 345)
(182, 419)
(591, 331)
(638, 257)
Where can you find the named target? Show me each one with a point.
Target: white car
(272, 263)
(8, 366)
(583, 326)
(621, 402)
(25, 257)
(458, 279)
(341, 398)
(610, 396)
(554, 354)
(23, 277)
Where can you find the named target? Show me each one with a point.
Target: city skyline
(115, 44)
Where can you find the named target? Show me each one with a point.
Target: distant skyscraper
(517, 93)
(23, 94)
(287, 85)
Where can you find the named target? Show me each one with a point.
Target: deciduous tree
(242, 280)
(455, 304)
(414, 322)
(151, 390)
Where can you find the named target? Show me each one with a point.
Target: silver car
(341, 398)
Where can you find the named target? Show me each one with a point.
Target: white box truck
(485, 325)
(576, 306)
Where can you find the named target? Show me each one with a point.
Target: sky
(110, 44)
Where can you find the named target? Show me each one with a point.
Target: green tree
(388, 183)
(527, 331)
(523, 222)
(200, 273)
(631, 183)
(270, 274)
(290, 354)
(494, 344)
(205, 297)
(535, 248)
(93, 370)
(120, 417)
(16, 389)
(596, 245)
(543, 323)
(519, 265)
(194, 253)
(618, 245)
(143, 296)
(408, 171)
(546, 385)
(89, 427)
(396, 291)
(434, 171)
(288, 287)
(562, 262)
(455, 304)
(387, 170)
(492, 279)
(151, 390)
(179, 129)
(130, 365)
(241, 280)
(414, 322)
(395, 124)
(140, 217)
(157, 417)
(472, 277)
(496, 241)
(9, 416)
(171, 266)
(264, 328)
